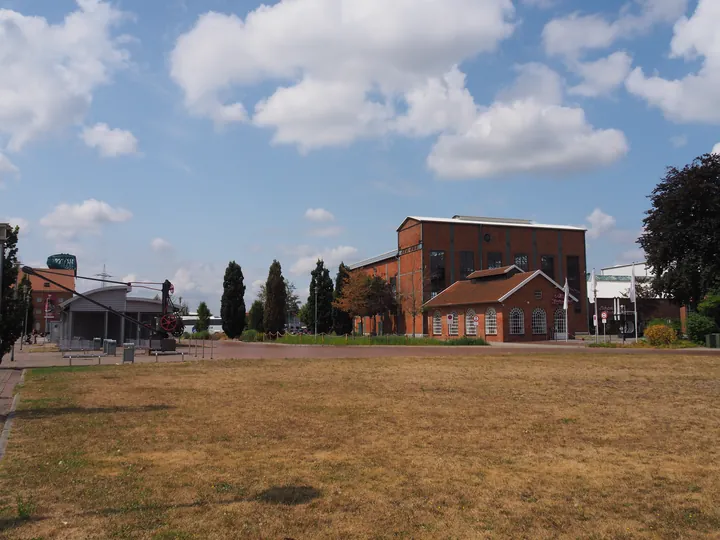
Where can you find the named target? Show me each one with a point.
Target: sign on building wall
(410, 249)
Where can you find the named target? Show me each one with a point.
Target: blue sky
(163, 139)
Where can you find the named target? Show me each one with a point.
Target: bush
(201, 335)
(250, 336)
(698, 326)
(672, 323)
(659, 335)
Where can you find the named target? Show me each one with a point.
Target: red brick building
(46, 297)
(434, 253)
(503, 304)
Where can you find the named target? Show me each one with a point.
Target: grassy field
(593, 446)
(376, 340)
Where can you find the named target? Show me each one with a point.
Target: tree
(275, 300)
(232, 304)
(321, 288)
(292, 304)
(12, 308)
(366, 296)
(256, 316)
(25, 296)
(682, 231)
(203, 315)
(342, 323)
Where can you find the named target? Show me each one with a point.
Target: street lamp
(316, 310)
(4, 232)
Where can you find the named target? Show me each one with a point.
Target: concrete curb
(5, 435)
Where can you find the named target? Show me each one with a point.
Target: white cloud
(527, 130)
(716, 149)
(601, 76)
(346, 62)
(199, 282)
(67, 222)
(326, 232)
(695, 97)
(332, 257)
(24, 224)
(110, 142)
(50, 71)
(160, 244)
(678, 141)
(631, 256)
(7, 168)
(319, 214)
(129, 278)
(600, 223)
(572, 35)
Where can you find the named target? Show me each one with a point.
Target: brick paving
(8, 379)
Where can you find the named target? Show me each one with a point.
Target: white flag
(593, 284)
(567, 295)
(632, 286)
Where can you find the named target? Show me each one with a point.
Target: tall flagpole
(566, 305)
(635, 300)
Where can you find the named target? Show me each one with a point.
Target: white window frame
(517, 327)
(470, 326)
(559, 321)
(454, 326)
(539, 322)
(491, 322)
(437, 323)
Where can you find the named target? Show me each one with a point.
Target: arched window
(454, 324)
(437, 323)
(491, 322)
(560, 326)
(539, 322)
(470, 326)
(517, 322)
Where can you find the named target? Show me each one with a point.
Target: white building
(191, 320)
(614, 281)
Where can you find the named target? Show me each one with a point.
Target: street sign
(604, 316)
(477, 319)
(594, 320)
(450, 317)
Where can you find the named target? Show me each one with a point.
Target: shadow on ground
(60, 411)
(288, 495)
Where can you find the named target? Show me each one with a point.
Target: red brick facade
(478, 243)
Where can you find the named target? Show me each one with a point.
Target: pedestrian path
(8, 379)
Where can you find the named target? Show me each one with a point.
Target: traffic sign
(604, 316)
(450, 317)
(477, 318)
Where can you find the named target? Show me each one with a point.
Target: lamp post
(316, 309)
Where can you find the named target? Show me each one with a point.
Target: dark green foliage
(672, 323)
(12, 311)
(203, 313)
(275, 300)
(321, 288)
(682, 231)
(25, 296)
(251, 336)
(256, 316)
(232, 304)
(698, 326)
(710, 306)
(292, 303)
(342, 322)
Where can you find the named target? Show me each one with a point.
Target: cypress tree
(342, 322)
(12, 311)
(256, 316)
(203, 315)
(275, 300)
(232, 304)
(321, 283)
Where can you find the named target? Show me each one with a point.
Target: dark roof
(374, 260)
(486, 292)
(479, 274)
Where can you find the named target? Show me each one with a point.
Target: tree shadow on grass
(60, 411)
(288, 495)
(8, 523)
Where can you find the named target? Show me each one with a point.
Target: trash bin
(129, 353)
(97, 344)
(110, 347)
(712, 341)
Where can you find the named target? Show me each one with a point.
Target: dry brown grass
(595, 446)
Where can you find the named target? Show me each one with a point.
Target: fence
(77, 344)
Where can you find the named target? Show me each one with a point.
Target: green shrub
(659, 335)
(205, 334)
(672, 323)
(466, 341)
(698, 326)
(250, 336)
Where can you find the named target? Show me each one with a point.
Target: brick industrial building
(46, 297)
(434, 253)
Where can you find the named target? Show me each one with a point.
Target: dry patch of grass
(593, 446)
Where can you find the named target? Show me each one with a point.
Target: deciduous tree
(276, 300)
(232, 304)
(682, 231)
(203, 315)
(366, 296)
(12, 310)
